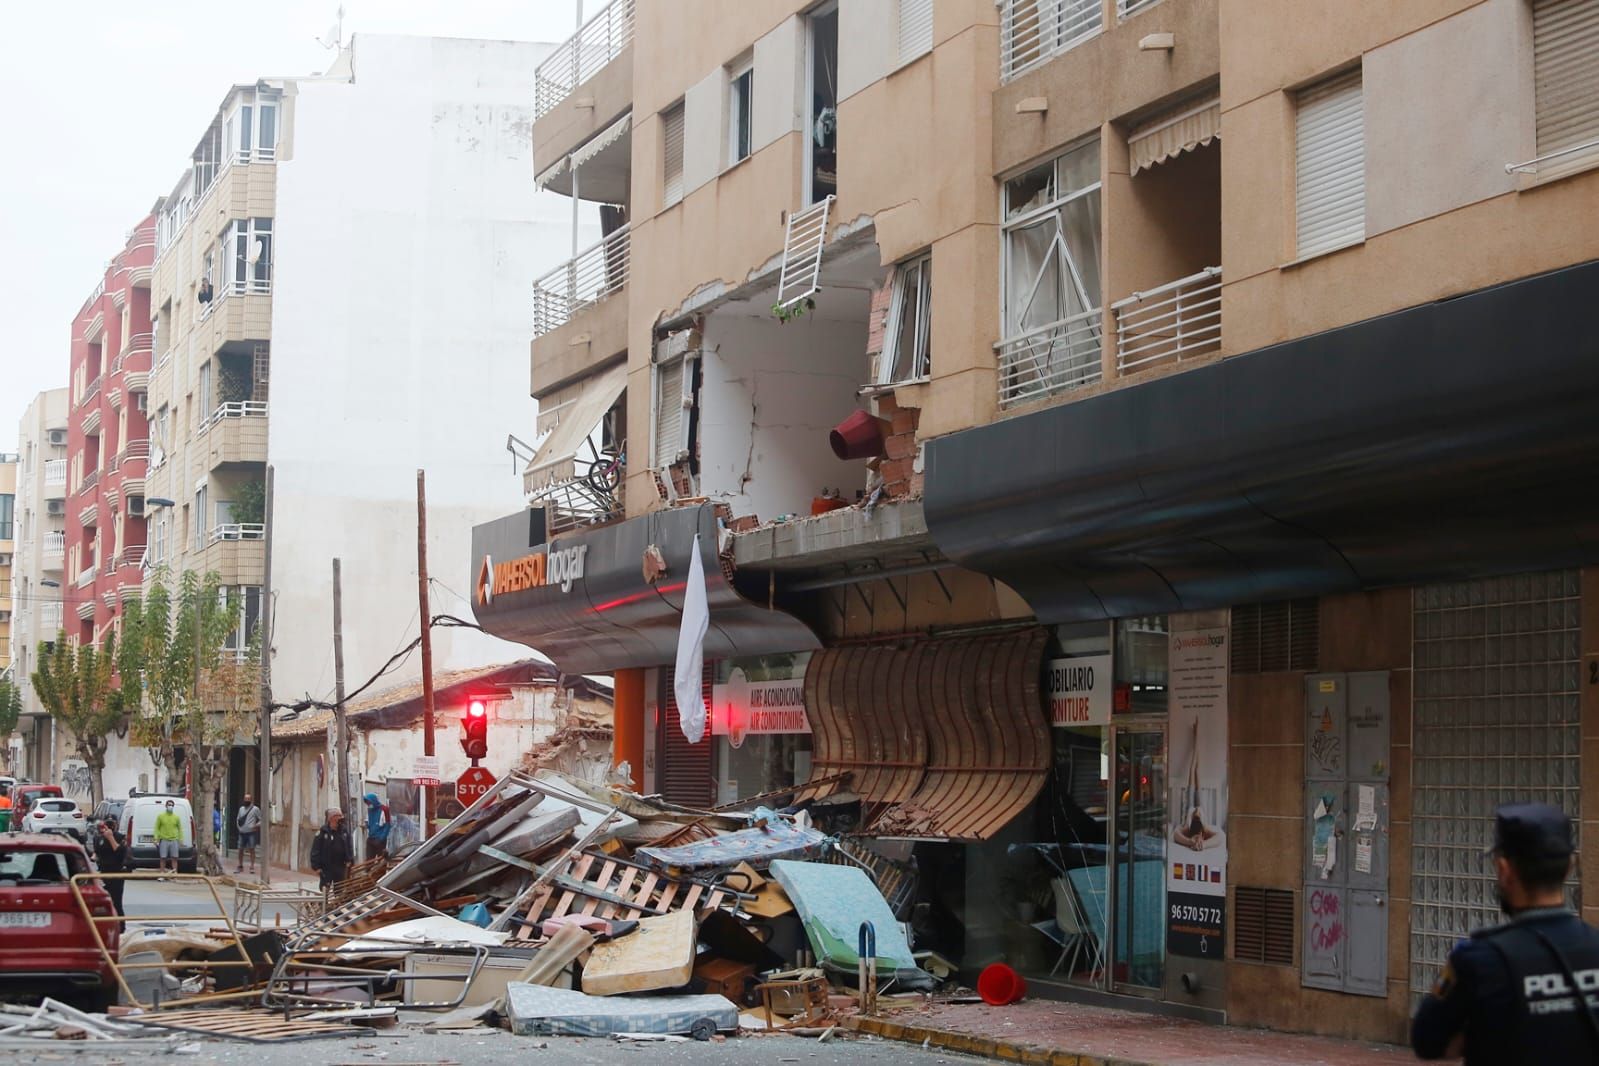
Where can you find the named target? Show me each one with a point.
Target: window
(1142, 653)
(1565, 63)
(915, 28)
(740, 102)
(906, 343)
(821, 126)
(205, 389)
(242, 603)
(199, 517)
(672, 149)
(8, 503)
(249, 243)
(1330, 165)
(1052, 245)
(674, 398)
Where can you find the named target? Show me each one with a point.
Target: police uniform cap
(1531, 831)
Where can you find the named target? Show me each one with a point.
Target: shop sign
(1079, 690)
(1196, 852)
(760, 695)
(561, 566)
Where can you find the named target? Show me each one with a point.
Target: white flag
(687, 685)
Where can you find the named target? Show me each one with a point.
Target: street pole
(342, 740)
(426, 616)
(264, 759)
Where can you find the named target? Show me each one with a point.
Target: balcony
(50, 617)
(55, 473)
(1051, 359)
(238, 531)
(1177, 321)
(132, 556)
(597, 60)
(1031, 32)
(85, 576)
(237, 560)
(90, 480)
(54, 549)
(90, 391)
(581, 282)
(134, 451)
(89, 515)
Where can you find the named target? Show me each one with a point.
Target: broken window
(907, 342)
(822, 127)
(676, 430)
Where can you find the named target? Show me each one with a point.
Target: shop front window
(1142, 654)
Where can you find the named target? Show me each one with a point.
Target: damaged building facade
(1131, 448)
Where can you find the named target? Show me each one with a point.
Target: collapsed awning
(1191, 126)
(576, 421)
(945, 738)
(582, 599)
(1445, 441)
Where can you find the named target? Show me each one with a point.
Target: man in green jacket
(168, 838)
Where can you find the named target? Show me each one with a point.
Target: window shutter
(668, 412)
(1330, 171)
(1263, 925)
(685, 773)
(672, 140)
(915, 28)
(1565, 48)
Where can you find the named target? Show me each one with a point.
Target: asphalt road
(149, 899)
(407, 1045)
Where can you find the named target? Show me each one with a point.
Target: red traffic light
(475, 730)
(476, 709)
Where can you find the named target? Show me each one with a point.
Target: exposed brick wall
(898, 468)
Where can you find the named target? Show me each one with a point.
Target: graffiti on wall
(75, 779)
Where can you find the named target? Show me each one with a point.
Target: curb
(1003, 1050)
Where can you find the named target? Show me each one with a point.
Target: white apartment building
(341, 292)
(37, 565)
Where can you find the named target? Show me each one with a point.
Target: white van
(138, 829)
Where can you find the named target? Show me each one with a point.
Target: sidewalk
(281, 877)
(1046, 1031)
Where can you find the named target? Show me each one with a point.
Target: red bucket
(860, 436)
(998, 984)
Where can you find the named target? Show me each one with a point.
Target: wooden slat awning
(945, 738)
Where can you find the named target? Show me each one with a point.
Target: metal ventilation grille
(1272, 637)
(1263, 925)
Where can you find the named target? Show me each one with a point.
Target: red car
(25, 796)
(44, 937)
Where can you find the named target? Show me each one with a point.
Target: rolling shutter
(672, 143)
(1565, 46)
(686, 772)
(671, 397)
(1330, 165)
(915, 28)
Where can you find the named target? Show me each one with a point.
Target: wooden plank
(668, 894)
(579, 872)
(603, 883)
(642, 900)
(691, 898)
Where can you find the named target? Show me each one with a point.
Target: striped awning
(1167, 135)
(944, 739)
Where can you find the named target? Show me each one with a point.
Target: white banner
(741, 707)
(1079, 690)
(1197, 774)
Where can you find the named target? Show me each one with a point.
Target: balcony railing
(138, 343)
(1032, 31)
(50, 615)
(592, 275)
(1050, 359)
(237, 531)
(85, 576)
(237, 409)
(582, 56)
(133, 555)
(55, 471)
(135, 449)
(90, 480)
(1177, 321)
(54, 542)
(90, 391)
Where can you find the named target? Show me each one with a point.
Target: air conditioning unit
(141, 401)
(55, 507)
(57, 437)
(135, 506)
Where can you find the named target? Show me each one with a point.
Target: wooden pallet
(255, 1026)
(603, 886)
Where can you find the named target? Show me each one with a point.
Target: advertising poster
(759, 695)
(1196, 850)
(1079, 691)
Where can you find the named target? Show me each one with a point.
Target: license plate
(25, 920)
(146, 840)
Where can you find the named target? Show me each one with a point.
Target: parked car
(44, 937)
(24, 796)
(138, 829)
(50, 814)
(108, 808)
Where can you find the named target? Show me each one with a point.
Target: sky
(105, 101)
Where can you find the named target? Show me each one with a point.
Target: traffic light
(475, 729)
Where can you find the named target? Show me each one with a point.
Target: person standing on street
(1526, 991)
(331, 850)
(5, 809)
(111, 857)
(168, 838)
(377, 826)
(248, 823)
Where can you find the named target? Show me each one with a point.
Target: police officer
(1526, 991)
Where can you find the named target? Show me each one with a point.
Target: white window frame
(921, 266)
(246, 278)
(740, 109)
(672, 176)
(1339, 151)
(202, 533)
(682, 366)
(1054, 206)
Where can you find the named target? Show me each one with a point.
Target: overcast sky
(105, 99)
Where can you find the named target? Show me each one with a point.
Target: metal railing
(587, 278)
(236, 409)
(583, 55)
(1032, 31)
(133, 555)
(1531, 166)
(1050, 359)
(90, 480)
(237, 531)
(804, 238)
(135, 449)
(90, 391)
(1176, 321)
(139, 342)
(55, 471)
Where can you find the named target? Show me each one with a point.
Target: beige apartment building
(38, 563)
(1142, 439)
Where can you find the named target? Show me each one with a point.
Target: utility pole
(426, 615)
(264, 759)
(342, 740)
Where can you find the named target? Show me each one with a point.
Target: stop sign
(471, 785)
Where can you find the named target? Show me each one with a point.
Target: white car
(52, 814)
